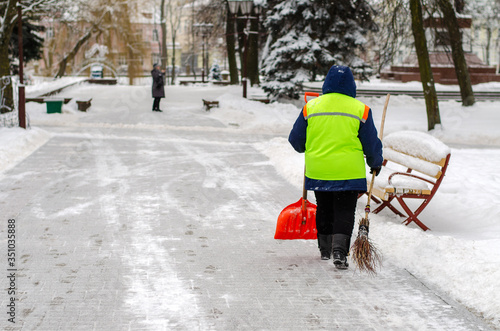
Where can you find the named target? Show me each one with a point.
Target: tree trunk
(71, 55)
(457, 52)
(5, 33)
(131, 66)
(7, 98)
(231, 49)
(253, 53)
(163, 23)
(240, 32)
(488, 44)
(173, 58)
(424, 63)
(193, 52)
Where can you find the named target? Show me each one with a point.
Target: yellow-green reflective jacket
(333, 149)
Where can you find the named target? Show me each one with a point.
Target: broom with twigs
(364, 253)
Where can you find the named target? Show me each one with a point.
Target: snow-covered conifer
(307, 37)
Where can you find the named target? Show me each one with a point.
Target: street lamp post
(246, 8)
(205, 29)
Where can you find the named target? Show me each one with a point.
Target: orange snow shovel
(298, 220)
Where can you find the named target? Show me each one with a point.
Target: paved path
(124, 228)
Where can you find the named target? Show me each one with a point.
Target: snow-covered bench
(208, 104)
(414, 166)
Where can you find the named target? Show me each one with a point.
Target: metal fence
(419, 94)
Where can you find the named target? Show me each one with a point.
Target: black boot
(341, 243)
(325, 245)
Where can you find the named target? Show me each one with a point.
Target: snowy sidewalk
(127, 228)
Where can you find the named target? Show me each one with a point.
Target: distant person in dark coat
(158, 88)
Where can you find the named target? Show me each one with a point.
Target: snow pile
(18, 143)
(461, 268)
(37, 113)
(417, 143)
(415, 163)
(254, 116)
(475, 125)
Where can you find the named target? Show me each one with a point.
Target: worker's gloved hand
(375, 170)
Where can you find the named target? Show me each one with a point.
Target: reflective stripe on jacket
(333, 149)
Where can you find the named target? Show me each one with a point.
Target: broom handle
(381, 135)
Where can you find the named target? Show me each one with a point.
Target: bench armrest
(409, 175)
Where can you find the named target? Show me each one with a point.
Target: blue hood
(340, 80)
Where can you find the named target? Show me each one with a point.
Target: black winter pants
(156, 103)
(336, 212)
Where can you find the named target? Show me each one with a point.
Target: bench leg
(412, 216)
(390, 206)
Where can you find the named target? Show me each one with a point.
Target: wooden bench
(83, 105)
(261, 98)
(221, 82)
(187, 82)
(414, 167)
(210, 104)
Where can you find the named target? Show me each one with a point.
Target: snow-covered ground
(460, 255)
(18, 143)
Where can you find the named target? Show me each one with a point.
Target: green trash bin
(54, 105)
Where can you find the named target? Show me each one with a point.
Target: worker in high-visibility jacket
(336, 131)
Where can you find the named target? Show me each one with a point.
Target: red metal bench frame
(412, 215)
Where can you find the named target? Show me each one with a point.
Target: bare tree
(216, 12)
(253, 52)
(163, 24)
(96, 18)
(121, 22)
(457, 52)
(485, 16)
(395, 33)
(431, 101)
(175, 8)
(231, 47)
(94, 28)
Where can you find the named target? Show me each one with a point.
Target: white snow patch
(254, 116)
(17, 144)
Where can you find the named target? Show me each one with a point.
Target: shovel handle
(310, 94)
(304, 191)
(304, 198)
